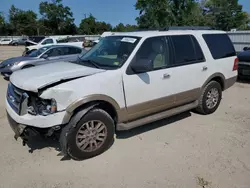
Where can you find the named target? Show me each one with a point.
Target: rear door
(189, 69)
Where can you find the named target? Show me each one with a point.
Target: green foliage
(22, 22)
(57, 19)
(222, 14)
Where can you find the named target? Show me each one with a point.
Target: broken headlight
(42, 107)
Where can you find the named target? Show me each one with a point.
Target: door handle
(165, 76)
(204, 68)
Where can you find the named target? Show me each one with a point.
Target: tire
(203, 107)
(71, 144)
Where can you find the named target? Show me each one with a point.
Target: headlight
(11, 64)
(42, 107)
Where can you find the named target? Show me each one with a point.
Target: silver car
(44, 55)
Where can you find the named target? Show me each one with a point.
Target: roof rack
(176, 28)
(187, 28)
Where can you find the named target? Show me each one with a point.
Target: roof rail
(187, 28)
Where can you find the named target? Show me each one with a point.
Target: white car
(51, 41)
(6, 41)
(125, 81)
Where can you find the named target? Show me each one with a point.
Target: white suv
(125, 81)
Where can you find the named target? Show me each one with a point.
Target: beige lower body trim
(230, 82)
(154, 106)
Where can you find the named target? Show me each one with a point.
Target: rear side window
(187, 50)
(219, 45)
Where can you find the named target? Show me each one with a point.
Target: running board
(156, 117)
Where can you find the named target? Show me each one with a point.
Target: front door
(151, 91)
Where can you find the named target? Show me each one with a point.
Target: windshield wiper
(95, 64)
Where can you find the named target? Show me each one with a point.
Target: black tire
(202, 107)
(27, 66)
(68, 137)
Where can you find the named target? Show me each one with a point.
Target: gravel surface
(185, 151)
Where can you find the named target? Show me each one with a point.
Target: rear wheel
(210, 99)
(92, 135)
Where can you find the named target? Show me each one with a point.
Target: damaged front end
(29, 103)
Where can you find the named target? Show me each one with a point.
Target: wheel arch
(218, 77)
(103, 102)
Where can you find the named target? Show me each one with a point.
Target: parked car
(34, 40)
(105, 34)
(244, 65)
(44, 55)
(52, 41)
(18, 42)
(5, 41)
(87, 100)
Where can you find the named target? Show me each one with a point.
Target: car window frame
(169, 58)
(209, 47)
(192, 38)
(46, 42)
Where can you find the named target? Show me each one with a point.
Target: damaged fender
(72, 124)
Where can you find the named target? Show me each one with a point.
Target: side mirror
(45, 56)
(142, 65)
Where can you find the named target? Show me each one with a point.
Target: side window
(219, 45)
(48, 41)
(55, 52)
(156, 50)
(187, 50)
(74, 50)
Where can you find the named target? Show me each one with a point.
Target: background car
(17, 42)
(44, 55)
(5, 41)
(244, 64)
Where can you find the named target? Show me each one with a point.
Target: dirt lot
(186, 151)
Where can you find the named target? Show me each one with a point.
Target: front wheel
(92, 135)
(210, 99)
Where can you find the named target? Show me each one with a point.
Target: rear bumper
(244, 70)
(230, 82)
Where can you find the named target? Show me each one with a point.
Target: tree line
(57, 19)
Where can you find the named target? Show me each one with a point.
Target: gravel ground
(187, 150)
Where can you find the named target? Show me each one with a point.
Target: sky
(110, 11)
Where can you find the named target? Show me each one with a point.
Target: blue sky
(111, 11)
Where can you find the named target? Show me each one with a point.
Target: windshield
(38, 52)
(110, 52)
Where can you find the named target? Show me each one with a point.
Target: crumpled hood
(35, 78)
(15, 59)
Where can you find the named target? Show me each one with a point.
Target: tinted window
(73, 50)
(155, 50)
(48, 41)
(198, 51)
(219, 45)
(187, 50)
(55, 52)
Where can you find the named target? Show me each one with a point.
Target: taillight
(83, 46)
(235, 67)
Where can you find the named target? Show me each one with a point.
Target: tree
(222, 14)
(22, 22)
(58, 19)
(227, 14)
(88, 26)
(124, 28)
(2, 25)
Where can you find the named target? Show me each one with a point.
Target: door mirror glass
(142, 65)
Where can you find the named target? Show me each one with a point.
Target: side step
(156, 117)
